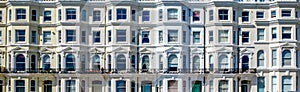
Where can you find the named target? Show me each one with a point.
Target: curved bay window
(96, 63)
(46, 62)
(172, 63)
(20, 62)
(70, 62)
(121, 63)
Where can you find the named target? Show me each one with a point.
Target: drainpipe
(104, 55)
(204, 50)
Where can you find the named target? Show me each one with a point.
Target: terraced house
(149, 45)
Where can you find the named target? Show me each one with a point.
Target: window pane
(71, 14)
(121, 35)
(121, 14)
(172, 35)
(223, 14)
(146, 16)
(96, 15)
(172, 14)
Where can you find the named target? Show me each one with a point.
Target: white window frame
(47, 16)
(288, 10)
(260, 16)
(246, 16)
(95, 36)
(71, 14)
(73, 36)
(121, 14)
(286, 31)
(172, 14)
(225, 36)
(48, 37)
(245, 37)
(173, 36)
(274, 84)
(274, 57)
(122, 36)
(18, 35)
(223, 15)
(196, 37)
(22, 14)
(260, 34)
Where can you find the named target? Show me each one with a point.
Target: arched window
(33, 63)
(83, 15)
(121, 62)
(211, 62)
(223, 62)
(132, 62)
(46, 62)
(145, 62)
(96, 63)
(20, 62)
(286, 58)
(260, 58)
(196, 62)
(245, 63)
(172, 63)
(96, 86)
(70, 62)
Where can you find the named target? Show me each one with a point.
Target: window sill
(97, 43)
(47, 43)
(261, 41)
(22, 42)
(121, 19)
(246, 43)
(145, 43)
(71, 20)
(173, 42)
(246, 22)
(122, 42)
(71, 42)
